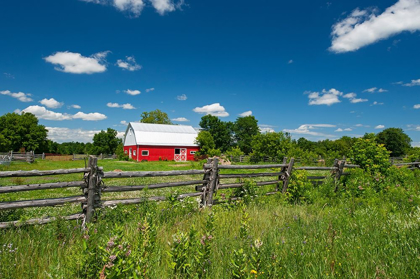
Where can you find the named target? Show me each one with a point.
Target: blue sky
(317, 69)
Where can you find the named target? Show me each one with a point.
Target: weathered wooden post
(339, 172)
(92, 192)
(43, 156)
(206, 178)
(213, 182)
(282, 170)
(288, 173)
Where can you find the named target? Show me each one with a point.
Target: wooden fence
(94, 187)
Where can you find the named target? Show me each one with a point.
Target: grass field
(369, 229)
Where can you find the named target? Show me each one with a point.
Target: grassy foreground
(369, 229)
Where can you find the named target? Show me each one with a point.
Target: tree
(245, 128)
(105, 142)
(206, 143)
(156, 117)
(275, 145)
(22, 131)
(395, 140)
(222, 132)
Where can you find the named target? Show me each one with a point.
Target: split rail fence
(94, 189)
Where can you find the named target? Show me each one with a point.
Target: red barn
(153, 142)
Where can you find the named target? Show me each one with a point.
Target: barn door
(180, 154)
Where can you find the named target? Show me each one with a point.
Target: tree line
(22, 132)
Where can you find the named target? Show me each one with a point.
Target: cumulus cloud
(375, 103)
(60, 134)
(51, 103)
(128, 64)
(123, 122)
(380, 127)
(75, 106)
(180, 119)
(214, 109)
(414, 82)
(135, 7)
(95, 116)
(182, 97)
(310, 129)
(353, 99)
(150, 89)
(123, 106)
(264, 128)
(365, 27)
(245, 113)
(328, 98)
(75, 63)
(290, 61)
(416, 106)
(375, 89)
(42, 113)
(23, 97)
(132, 92)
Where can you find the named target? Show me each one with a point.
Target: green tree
(156, 117)
(395, 140)
(222, 132)
(245, 128)
(370, 155)
(22, 131)
(105, 142)
(275, 145)
(206, 143)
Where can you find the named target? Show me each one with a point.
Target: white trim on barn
(160, 135)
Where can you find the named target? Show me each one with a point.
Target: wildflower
(258, 243)
(120, 247)
(86, 236)
(254, 272)
(112, 258)
(128, 253)
(304, 242)
(111, 243)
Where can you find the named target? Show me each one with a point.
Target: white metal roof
(159, 134)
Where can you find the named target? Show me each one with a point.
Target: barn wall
(134, 151)
(159, 152)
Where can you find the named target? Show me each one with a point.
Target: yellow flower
(254, 272)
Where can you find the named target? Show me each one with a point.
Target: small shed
(154, 142)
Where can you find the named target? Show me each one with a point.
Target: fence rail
(94, 188)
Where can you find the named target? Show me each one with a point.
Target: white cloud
(123, 106)
(10, 76)
(95, 116)
(377, 104)
(375, 89)
(75, 63)
(23, 97)
(214, 109)
(380, 127)
(364, 27)
(129, 64)
(43, 113)
(182, 97)
(135, 7)
(290, 61)
(339, 130)
(264, 128)
(416, 106)
(307, 129)
(180, 119)
(348, 129)
(75, 106)
(344, 130)
(328, 98)
(414, 82)
(59, 134)
(163, 6)
(51, 103)
(413, 127)
(353, 99)
(123, 122)
(132, 92)
(150, 89)
(245, 113)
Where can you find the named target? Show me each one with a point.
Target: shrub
(370, 155)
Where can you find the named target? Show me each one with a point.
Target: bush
(370, 156)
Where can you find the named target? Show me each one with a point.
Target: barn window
(177, 151)
(125, 151)
(145, 153)
(192, 152)
(134, 152)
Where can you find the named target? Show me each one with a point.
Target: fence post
(286, 176)
(206, 178)
(340, 165)
(43, 156)
(213, 182)
(283, 170)
(92, 190)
